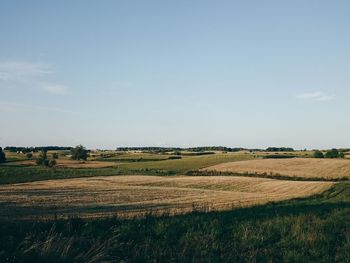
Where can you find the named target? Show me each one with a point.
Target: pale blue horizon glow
(108, 74)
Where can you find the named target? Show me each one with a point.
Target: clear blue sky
(175, 73)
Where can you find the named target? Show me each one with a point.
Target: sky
(107, 74)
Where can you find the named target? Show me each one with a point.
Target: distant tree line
(204, 149)
(178, 149)
(280, 149)
(36, 149)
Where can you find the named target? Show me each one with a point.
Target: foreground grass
(304, 230)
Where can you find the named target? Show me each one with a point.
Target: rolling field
(138, 195)
(187, 163)
(295, 167)
(99, 210)
(21, 171)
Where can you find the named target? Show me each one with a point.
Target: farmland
(137, 195)
(295, 167)
(137, 206)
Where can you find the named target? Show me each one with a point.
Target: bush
(55, 156)
(279, 156)
(2, 156)
(43, 160)
(334, 153)
(79, 153)
(174, 157)
(318, 154)
(46, 162)
(29, 156)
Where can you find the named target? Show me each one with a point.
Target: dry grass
(299, 167)
(137, 195)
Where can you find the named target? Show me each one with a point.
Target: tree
(79, 153)
(42, 159)
(334, 153)
(2, 156)
(341, 155)
(55, 156)
(318, 154)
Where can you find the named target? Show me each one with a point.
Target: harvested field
(296, 167)
(137, 195)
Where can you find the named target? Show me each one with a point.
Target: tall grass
(315, 229)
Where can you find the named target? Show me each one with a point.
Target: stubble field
(127, 196)
(294, 167)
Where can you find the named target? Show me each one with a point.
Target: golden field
(136, 195)
(293, 167)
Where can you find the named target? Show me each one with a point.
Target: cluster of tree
(333, 153)
(279, 149)
(44, 160)
(2, 156)
(79, 153)
(178, 149)
(36, 149)
(149, 149)
(214, 148)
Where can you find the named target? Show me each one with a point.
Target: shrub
(318, 154)
(46, 162)
(334, 153)
(55, 156)
(174, 157)
(29, 156)
(279, 156)
(43, 160)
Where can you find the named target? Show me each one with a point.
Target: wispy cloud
(15, 70)
(24, 74)
(55, 89)
(315, 96)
